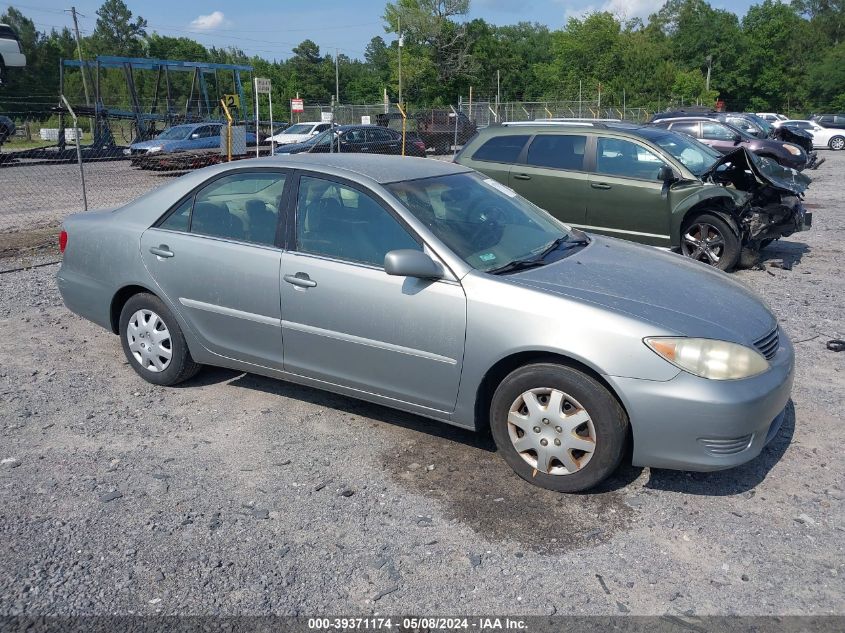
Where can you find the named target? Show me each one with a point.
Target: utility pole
(399, 29)
(336, 79)
(498, 94)
(709, 66)
(79, 53)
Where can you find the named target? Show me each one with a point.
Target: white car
(10, 51)
(299, 132)
(771, 117)
(823, 137)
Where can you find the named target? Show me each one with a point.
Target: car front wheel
(153, 341)
(708, 238)
(557, 427)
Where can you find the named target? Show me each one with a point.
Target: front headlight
(792, 149)
(151, 150)
(707, 358)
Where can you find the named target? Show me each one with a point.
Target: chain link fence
(57, 159)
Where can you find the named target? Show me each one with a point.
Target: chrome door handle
(522, 176)
(599, 185)
(300, 279)
(162, 250)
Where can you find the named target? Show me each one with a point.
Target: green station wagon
(646, 184)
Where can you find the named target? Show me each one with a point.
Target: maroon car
(725, 138)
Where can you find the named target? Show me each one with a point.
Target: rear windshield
(6, 32)
(501, 149)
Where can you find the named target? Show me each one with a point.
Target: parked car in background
(646, 184)
(7, 128)
(726, 138)
(183, 138)
(830, 120)
(299, 132)
(752, 125)
(823, 137)
(771, 117)
(358, 139)
(441, 128)
(10, 51)
(423, 286)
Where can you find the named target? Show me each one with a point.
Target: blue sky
(271, 28)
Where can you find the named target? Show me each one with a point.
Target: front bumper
(691, 423)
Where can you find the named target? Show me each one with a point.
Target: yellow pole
(229, 135)
(404, 121)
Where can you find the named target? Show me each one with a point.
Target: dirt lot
(236, 494)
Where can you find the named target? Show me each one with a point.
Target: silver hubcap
(704, 242)
(837, 143)
(149, 341)
(551, 431)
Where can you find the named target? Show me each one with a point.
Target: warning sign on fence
(296, 105)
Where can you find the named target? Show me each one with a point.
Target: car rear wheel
(837, 143)
(708, 238)
(153, 341)
(557, 427)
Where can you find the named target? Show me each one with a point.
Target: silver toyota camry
(427, 287)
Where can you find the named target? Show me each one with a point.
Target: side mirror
(411, 263)
(737, 138)
(195, 135)
(666, 174)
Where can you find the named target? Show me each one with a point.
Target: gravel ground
(237, 494)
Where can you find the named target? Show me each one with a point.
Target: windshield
(299, 128)
(695, 156)
(485, 223)
(177, 133)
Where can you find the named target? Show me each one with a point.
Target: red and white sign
(296, 105)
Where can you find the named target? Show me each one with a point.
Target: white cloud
(209, 22)
(622, 9)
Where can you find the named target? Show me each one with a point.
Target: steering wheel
(491, 218)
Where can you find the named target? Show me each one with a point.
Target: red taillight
(62, 241)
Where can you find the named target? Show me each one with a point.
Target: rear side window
(690, 128)
(501, 149)
(558, 151)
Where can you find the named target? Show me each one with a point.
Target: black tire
(608, 419)
(839, 143)
(729, 250)
(181, 366)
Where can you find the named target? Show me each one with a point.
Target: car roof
(380, 168)
(593, 126)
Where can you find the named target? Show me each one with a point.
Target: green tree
(116, 33)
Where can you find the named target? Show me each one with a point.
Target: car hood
(164, 144)
(294, 148)
(289, 139)
(672, 292)
(765, 171)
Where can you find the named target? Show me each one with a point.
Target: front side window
(695, 156)
(242, 207)
(341, 222)
(483, 222)
(619, 157)
(501, 149)
(558, 151)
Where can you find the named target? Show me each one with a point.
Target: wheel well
(119, 300)
(502, 368)
(722, 207)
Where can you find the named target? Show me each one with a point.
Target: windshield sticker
(510, 193)
(487, 257)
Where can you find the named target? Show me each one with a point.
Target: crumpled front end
(777, 219)
(774, 206)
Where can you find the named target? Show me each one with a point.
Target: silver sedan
(424, 286)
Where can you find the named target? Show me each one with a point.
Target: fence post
(455, 150)
(78, 152)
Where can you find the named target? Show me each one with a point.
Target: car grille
(768, 345)
(725, 446)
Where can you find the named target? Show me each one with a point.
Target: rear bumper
(690, 423)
